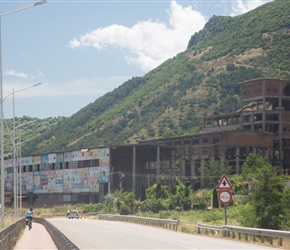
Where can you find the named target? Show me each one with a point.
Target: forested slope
(172, 99)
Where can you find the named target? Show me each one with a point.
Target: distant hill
(26, 129)
(172, 99)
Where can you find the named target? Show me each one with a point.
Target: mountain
(173, 98)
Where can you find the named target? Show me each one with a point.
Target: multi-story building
(265, 107)
(261, 126)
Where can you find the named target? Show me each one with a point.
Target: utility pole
(121, 175)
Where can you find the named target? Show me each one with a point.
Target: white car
(74, 214)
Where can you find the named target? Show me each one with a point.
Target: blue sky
(80, 50)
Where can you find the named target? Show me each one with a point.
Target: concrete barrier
(60, 240)
(10, 235)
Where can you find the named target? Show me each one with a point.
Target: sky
(81, 50)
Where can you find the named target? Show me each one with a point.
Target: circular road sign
(225, 197)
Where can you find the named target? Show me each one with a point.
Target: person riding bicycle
(30, 215)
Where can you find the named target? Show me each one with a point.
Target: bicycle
(29, 223)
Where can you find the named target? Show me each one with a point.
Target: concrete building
(265, 106)
(261, 126)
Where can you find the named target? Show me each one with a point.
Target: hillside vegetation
(173, 98)
(26, 129)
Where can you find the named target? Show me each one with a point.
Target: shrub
(125, 209)
(213, 215)
(92, 207)
(164, 214)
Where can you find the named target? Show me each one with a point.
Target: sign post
(224, 196)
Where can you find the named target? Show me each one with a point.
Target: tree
(252, 163)
(266, 196)
(181, 198)
(161, 191)
(212, 172)
(157, 198)
(118, 204)
(129, 199)
(286, 204)
(142, 192)
(239, 186)
(215, 203)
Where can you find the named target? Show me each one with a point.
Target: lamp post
(15, 201)
(20, 166)
(1, 112)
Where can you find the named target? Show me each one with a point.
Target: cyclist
(30, 216)
(67, 214)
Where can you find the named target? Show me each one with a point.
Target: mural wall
(63, 180)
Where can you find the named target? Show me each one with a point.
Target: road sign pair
(224, 186)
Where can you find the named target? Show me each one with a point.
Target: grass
(8, 220)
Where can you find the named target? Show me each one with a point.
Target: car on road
(74, 214)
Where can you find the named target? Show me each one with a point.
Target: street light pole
(2, 137)
(2, 114)
(15, 177)
(14, 165)
(20, 165)
(20, 172)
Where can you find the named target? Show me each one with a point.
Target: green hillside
(27, 129)
(172, 99)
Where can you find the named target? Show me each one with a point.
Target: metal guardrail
(64, 215)
(209, 228)
(170, 224)
(260, 232)
(9, 235)
(52, 215)
(60, 240)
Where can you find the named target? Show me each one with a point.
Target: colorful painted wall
(63, 180)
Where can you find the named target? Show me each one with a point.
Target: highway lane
(100, 234)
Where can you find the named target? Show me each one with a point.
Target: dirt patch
(191, 54)
(249, 54)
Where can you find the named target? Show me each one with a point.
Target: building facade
(265, 107)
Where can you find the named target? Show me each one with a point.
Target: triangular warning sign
(224, 184)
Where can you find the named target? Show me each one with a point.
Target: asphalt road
(100, 234)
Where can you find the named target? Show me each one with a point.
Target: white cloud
(240, 7)
(12, 72)
(148, 43)
(81, 87)
(38, 75)
(25, 54)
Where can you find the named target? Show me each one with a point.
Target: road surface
(101, 234)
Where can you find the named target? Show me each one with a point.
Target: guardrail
(231, 231)
(52, 215)
(60, 240)
(64, 215)
(170, 224)
(209, 228)
(9, 235)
